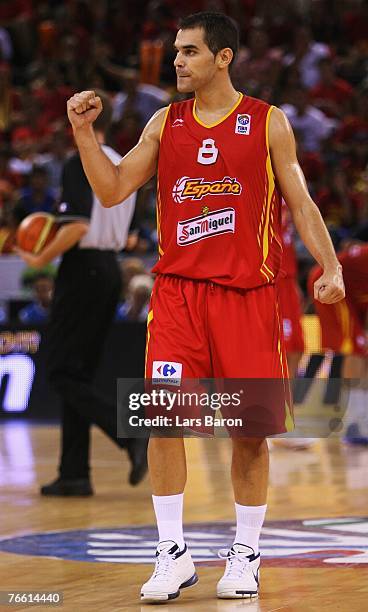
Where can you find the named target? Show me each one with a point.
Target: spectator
(127, 131)
(311, 125)
(355, 122)
(355, 165)
(38, 197)
(355, 22)
(129, 267)
(53, 160)
(9, 180)
(136, 306)
(52, 94)
(6, 46)
(258, 65)
(332, 95)
(306, 54)
(38, 311)
(16, 17)
(339, 206)
(32, 122)
(24, 151)
(141, 98)
(5, 99)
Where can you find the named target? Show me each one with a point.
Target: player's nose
(179, 61)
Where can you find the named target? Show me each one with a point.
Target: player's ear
(224, 57)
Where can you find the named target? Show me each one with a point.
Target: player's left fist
(330, 288)
(32, 260)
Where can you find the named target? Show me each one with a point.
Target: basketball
(36, 231)
(7, 240)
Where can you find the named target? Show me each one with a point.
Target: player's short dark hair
(103, 121)
(220, 31)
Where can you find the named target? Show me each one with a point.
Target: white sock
(169, 517)
(249, 521)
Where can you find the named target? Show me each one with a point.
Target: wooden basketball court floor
(326, 482)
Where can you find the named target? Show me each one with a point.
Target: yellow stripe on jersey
(277, 239)
(265, 275)
(268, 270)
(149, 319)
(262, 217)
(289, 421)
(158, 218)
(268, 199)
(211, 125)
(164, 121)
(345, 321)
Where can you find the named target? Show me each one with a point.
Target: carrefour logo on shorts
(205, 226)
(198, 188)
(168, 372)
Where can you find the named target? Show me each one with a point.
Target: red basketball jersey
(354, 262)
(218, 208)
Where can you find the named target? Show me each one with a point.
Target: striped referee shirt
(108, 227)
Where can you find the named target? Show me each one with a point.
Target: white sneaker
(174, 570)
(241, 577)
(294, 443)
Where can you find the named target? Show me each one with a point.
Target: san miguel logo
(198, 188)
(206, 225)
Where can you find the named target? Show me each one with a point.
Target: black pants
(87, 290)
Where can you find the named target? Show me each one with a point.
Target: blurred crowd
(38, 287)
(310, 57)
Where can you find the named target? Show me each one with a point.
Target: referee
(87, 291)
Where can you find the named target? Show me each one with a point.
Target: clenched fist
(329, 288)
(83, 108)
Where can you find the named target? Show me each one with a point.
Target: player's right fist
(83, 108)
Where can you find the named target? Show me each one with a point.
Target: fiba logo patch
(242, 125)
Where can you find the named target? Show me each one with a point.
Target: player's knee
(248, 443)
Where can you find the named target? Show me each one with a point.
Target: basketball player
(87, 290)
(222, 160)
(344, 331)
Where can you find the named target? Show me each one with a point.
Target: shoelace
(163, 565)
(238, 564)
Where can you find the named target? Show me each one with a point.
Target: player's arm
(113, 184)
(329, 288)
(65, 239)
